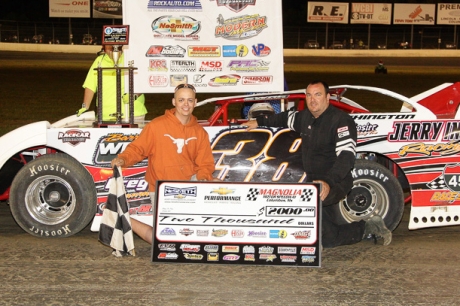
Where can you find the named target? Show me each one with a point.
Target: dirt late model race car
(55, 176)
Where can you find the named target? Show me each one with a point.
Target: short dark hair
(326, 87)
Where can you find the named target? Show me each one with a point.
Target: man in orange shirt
(177, 148)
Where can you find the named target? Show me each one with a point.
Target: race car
(56, 176)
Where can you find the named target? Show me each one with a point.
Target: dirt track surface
(418, 268)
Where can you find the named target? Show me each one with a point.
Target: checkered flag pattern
(306, 195)
(252, 194)
(437, 183)
(115, 230)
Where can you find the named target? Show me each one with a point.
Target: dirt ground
(418, 268)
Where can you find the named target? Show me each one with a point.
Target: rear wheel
(376, 191)
(53, 196)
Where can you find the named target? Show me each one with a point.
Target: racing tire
(53, 196)
(376, 191)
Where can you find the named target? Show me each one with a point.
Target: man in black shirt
(328, 155)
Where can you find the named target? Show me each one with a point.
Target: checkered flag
(252, 194)
(115, 230)
(306, 195)
(437, 183)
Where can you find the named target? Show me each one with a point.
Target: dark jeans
(334, 234)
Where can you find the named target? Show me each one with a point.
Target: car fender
(27, 136)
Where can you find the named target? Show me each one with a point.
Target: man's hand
(251, 124)
(117, 162)
(81, 111)
(324, 189)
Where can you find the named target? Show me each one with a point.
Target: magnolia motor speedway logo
(240, 27)
(179, 28)
(74, 137)
(280, 195)
(165, 51)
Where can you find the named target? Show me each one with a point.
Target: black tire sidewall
(68, 169)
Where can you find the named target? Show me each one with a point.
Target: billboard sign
(448, 13)
(327, 12)
(414, 14)
(370, 13)
(69, 8)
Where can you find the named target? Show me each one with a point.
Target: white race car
(55, 176)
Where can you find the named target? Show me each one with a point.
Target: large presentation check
(237, 223)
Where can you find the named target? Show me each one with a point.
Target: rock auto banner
(216, 45)
(237, 223)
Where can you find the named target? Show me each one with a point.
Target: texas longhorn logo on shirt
(180, 142)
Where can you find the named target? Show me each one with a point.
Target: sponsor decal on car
(74, 137)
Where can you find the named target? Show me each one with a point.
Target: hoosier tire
(376, 191)
(53, 196)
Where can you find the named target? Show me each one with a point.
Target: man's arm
(345, 139)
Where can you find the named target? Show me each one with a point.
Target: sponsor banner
(69, 8)
(370, 13)
(197, 41)
(414, 13)
(448, 13)
(108, 9)
(218, 222)
(332, 12)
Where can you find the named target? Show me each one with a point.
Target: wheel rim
(50, 200)
(366, 199)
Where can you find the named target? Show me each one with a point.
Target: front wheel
(376, 191)
(53, 196)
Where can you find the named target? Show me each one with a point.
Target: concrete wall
(287, 52)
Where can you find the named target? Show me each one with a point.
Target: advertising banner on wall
(217, 45)
(69, 8)
(108, 9)
(237, 223)
(448, 13)
(370, 13)
(414, 13)
(327, 12)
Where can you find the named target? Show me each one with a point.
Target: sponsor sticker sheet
(242, 223)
